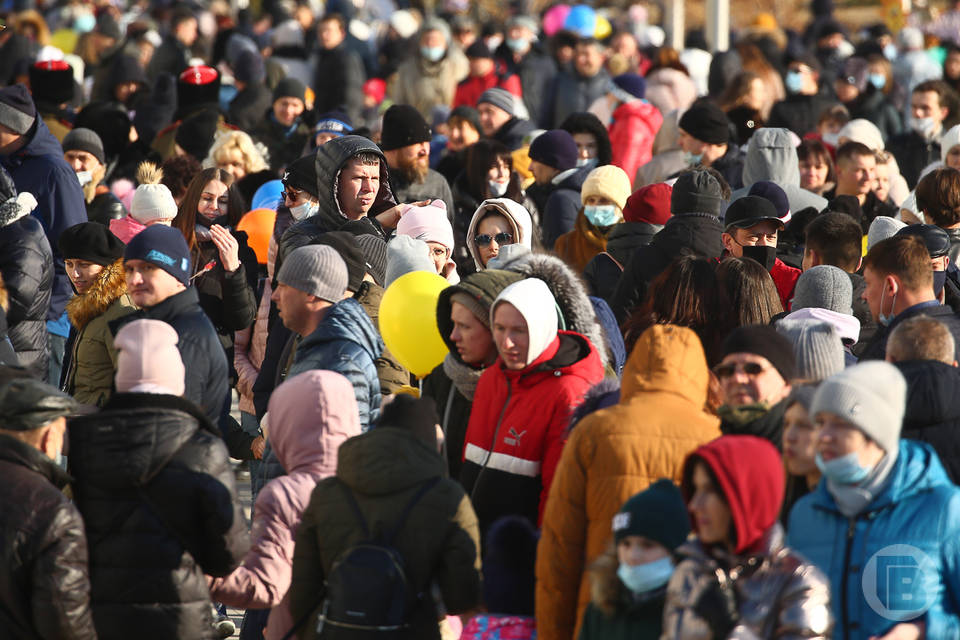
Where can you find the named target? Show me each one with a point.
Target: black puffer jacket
(44, 585)
(158, 496)
(26, 263)
(604, 270)
(933, 409)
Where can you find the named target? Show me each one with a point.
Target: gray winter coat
(433, 187)
(570, 93)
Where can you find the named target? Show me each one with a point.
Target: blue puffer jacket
(919, 507)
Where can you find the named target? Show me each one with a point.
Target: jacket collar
(176, 305)
(20, 453)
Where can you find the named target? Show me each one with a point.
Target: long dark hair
(747, 292)
(186, 219)
(481, 157)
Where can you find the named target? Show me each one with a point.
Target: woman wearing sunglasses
(497, 222)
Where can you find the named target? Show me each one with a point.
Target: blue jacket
(919, 507)
(39, 168)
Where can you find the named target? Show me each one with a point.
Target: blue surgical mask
(793, 81)
(878, 80)
(642, 578)
(843, 470)
(60, 460)
(692, 159)
(433, 54)
(305, 210)
(884, 319)
(601, 215)
(85, 22)
(890, 51)
(518, 45)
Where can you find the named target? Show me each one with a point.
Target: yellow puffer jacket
(613, 454)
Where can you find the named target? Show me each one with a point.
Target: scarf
(463, 376)
(852, 499)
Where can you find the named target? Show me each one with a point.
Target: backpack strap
(426, 486)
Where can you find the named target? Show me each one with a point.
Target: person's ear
(944, 112)
(727, 241)
(859, 263)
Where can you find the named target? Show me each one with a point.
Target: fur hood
(109, 285)
(569, 292)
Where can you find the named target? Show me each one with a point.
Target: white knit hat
(152, 201)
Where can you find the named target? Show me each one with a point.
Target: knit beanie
(535, 302)
(301, 174)
(90, 241)
(649, 204)
(627, 87)
(148, 360)
(375, 254)
(403, 126)
(500, 98)
(467, 113)
(51, 81)
(706, 122)
(824, 287)
(290, 87)
(249, 68)
(871, 395)
(478, 49)
(83, 139)
(348, 249)
(17, 111)
(696, 192)
(817, 348)
(608, 181)
(317, 270)
(163, 247)
(335, 122)
(555, 148)
(763, 341)
(406, 254)
(152, 201)
(196, 132)
(657, 513)
(428, 223)
(883, 227)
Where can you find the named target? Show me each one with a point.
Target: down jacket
(311, 416)
(159, 500)
(93, 359)
(933, 409)
(44, 584)
(613, 454)
(439, 541)
(920, 507)
(634, 126)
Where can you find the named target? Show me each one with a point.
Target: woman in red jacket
(523, 403)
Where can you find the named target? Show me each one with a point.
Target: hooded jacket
(772, 156)
(311, 415)
(634, 126)
(613, 454)
(439, 541)
(918, 506)
(933, 409)
(563, 205)
(604, 270)
(159, 501)
(517, 216)
(778, 594)
(44, 578)
(39, 168)
(93, 360)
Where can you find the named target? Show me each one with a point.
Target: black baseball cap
(750, 210)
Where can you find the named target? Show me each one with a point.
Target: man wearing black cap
(751, 226)
(283, 131)
(42, 539)
(339, 69)
(706, 142)
(484, 74)
(405, 142)
(800, 110)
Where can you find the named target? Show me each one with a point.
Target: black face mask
(763, 254)
(939, 280)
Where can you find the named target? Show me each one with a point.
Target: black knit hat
(706, 122)
(90, 241)
(51, 82)
(17, 111)
(696, 192)
(290, 88)
(403, 126)
(479, 50)
(766, 342)
(657, 513)
(83, 139)
(127, 69)
(418, 416)
(195, 134)
(301, 174)
(111, 122)
(348, 248)
(555, 148)
(469, 114)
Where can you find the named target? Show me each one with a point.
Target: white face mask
(497, 189)
(85, 177)
(305, 210)
(925, 127)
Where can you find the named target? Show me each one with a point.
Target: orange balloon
(258, 225)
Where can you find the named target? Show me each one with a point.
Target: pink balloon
(554, 18)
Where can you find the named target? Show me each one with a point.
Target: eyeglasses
(752, 369)
(485, 239)
(292, 196)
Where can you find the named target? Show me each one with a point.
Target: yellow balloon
(408, 321)
(602, 29)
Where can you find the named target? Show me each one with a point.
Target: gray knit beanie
(881, 228)
(317, 270)
(500, 98)
(824, 287)
(406, 254)
(872, 396)
(817, 347)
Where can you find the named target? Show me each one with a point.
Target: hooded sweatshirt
(517, 216)
(311, 415)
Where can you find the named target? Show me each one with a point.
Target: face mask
(60, 460)
(432, 54)
(924, 127)
(518, 45)
(793, 81)
(305, 210)
(878, 80)
(646, 577)
(832, 139)
(497, 189)
(890, 51)
(84, 177)
(939, 279)
(692, 159)
(885, 319)
(763, 254)
(843, 470)
(603, 215)
(586, 162)
(85, 22)
(493, 42)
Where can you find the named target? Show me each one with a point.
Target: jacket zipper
(851, 528)
(496, 432)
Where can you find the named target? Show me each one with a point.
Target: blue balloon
(268, 196)
(581, 20)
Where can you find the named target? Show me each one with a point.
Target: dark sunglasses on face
(485, 239)
(726, 370)
(290, 195)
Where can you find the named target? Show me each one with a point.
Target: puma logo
(513, 437)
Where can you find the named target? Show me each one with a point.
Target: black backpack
(367, 588)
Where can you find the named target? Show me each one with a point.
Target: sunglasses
(752, 369)
(485, 239)
(292, 196)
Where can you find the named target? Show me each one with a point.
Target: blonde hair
(227, 143)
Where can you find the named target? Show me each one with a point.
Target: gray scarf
(463, 376)
(852, 499)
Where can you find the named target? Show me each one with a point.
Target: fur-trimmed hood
(109, 285)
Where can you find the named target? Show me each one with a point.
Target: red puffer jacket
(518, 425)
(635, 124)
(470, 89)
(785, 278)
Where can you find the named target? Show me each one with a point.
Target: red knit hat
(750, 474)
(649, 204)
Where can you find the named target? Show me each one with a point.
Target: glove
(717, 605)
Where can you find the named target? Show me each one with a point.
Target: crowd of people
(521, 326)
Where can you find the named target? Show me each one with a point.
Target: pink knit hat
(149, 361)
(428, 223)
